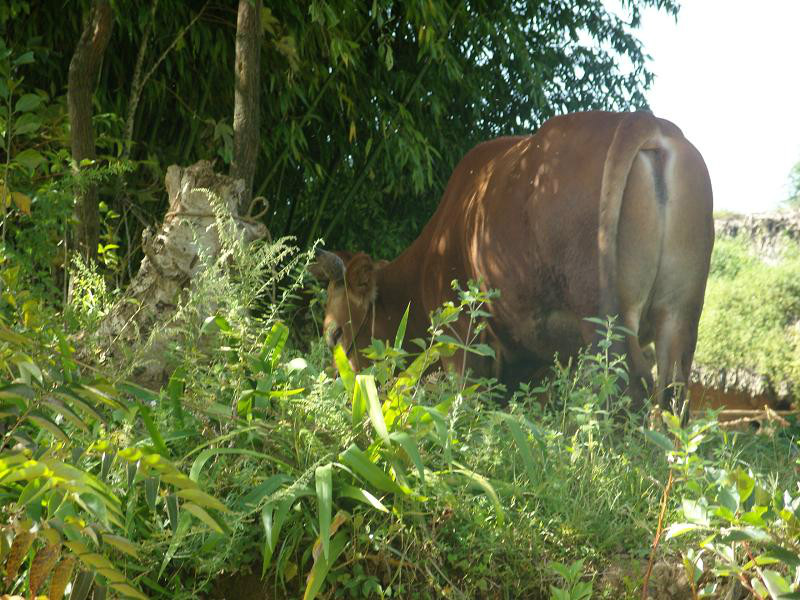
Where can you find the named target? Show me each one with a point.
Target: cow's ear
(328, 266)
(360, 276)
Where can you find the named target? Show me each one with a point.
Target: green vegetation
(384, 484)
(253, 462)
(751, 312)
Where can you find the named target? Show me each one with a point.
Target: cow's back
(521, 213)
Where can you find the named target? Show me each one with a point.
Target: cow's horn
(329, 265)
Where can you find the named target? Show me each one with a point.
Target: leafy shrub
(743, 524)
(751, 313)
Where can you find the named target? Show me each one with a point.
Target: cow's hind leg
(676, 337)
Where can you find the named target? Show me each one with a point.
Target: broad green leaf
(370, 392)
(410, 446)
(27, 124)
(695, 512)
(33, 490)
(323, 565)
(777, 585)
(744, 534)
(481, 350)
(22, 202)
(29, 158)
(27, 103)
(24, 59)
(324, 485)
(745, 484)
(785, 556)
(345, 371)
(678, 529)
(355, 458)
(659, 439)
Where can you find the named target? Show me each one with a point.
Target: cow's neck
(397, 287)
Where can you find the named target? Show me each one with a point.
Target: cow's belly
(533, 334)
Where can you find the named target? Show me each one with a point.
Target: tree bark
(83, 70)
(247, 111)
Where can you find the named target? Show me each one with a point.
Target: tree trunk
(83, 70)
(144, 323)
(246, 112)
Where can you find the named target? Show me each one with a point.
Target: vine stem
(657, 538)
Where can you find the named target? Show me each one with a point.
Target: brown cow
(598, 213)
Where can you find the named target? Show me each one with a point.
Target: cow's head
(351, 295)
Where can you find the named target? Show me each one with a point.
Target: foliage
(84, 474)
(751, 311)
(744, 523)
(38, 185)
(389, 483)
(368, 106)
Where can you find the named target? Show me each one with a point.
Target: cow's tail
(636, 132)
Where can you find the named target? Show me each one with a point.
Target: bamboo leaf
(122, 544)
(323, 565)
(42, 421)
(201, 498)
(201, 513)
(401, 329)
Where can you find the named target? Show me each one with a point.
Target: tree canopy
(365, 107)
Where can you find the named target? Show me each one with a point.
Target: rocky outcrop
(767, 233)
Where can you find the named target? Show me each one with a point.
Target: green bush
(389, 483)
(751, 313)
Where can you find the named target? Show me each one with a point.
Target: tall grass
(390, 483)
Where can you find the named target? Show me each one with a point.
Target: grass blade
(355, 458)
(324, 484)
